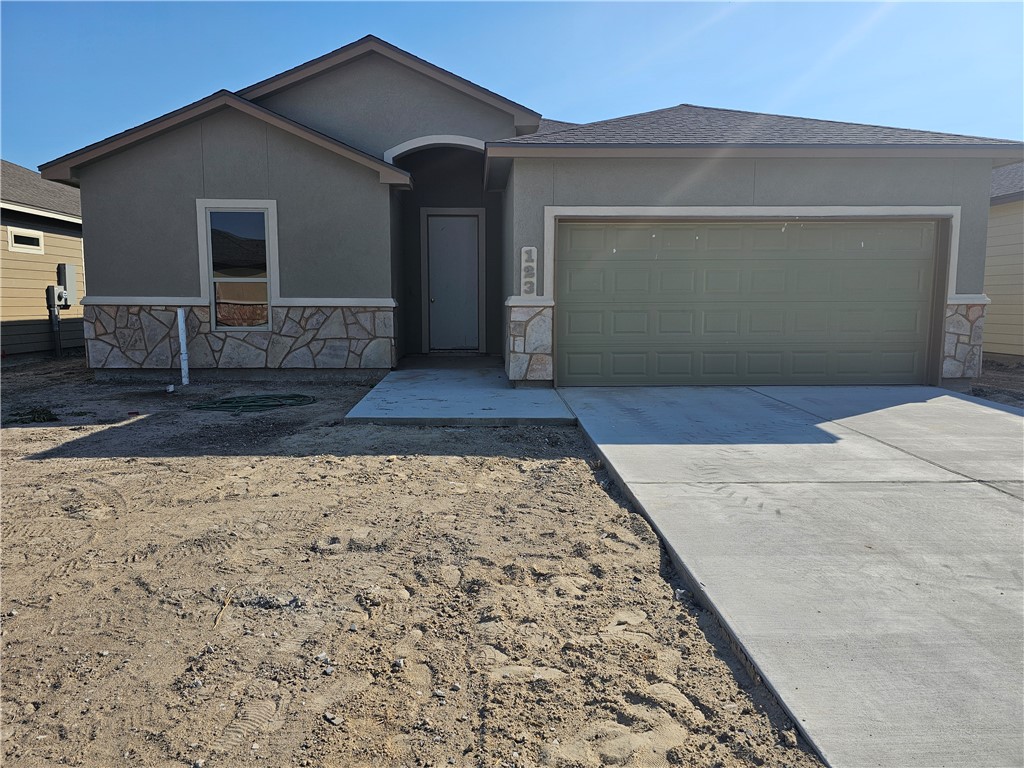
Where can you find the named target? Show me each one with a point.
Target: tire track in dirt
(478, 596)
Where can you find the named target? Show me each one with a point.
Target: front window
(238, 245)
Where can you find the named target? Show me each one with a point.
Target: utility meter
(56, 297)
(67, 280)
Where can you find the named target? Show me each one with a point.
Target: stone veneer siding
(961, 350)
(299, 337)
(529, 354)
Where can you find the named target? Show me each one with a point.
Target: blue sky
(74, 73)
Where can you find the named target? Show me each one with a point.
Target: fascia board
(40, 212)
(988, 151)
(62, 169)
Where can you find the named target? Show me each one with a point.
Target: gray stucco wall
(374, 104)
(537, 182)
(510, 258)
(398, 277)
(139, 211)
(139, 218)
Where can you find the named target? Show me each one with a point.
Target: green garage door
(743, 302)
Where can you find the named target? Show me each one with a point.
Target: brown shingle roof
(25, 187)
(692, 125)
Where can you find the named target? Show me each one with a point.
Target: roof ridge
(571, 127)
(625, 117)
(368, 40)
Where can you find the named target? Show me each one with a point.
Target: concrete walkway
(863, 545)
(466, 396)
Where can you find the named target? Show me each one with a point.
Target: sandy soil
(212, 589)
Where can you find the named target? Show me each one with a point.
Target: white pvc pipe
(183, 345)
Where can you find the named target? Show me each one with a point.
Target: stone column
(529, 345)
(961, 349)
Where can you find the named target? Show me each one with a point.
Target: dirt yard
(187, 588)
(1001, 383)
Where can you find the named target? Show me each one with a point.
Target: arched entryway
(447, 255)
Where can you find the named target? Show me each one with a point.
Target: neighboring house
(369, 205)
(40, 227)
(1004, 265)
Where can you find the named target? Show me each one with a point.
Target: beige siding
(1004, 280)
(24, 276)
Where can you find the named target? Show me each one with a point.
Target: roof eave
(523, 117)
(43, 212)
(1011, 197)
(994, 152)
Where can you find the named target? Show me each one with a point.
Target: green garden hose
(252, 403)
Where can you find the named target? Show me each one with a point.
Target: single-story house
(369, 205)
(40, 227)
(1004, 266)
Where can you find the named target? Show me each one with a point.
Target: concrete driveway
(864, 545)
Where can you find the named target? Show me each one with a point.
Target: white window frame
(21, 248)
(204, 207)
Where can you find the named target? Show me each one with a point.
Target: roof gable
(64, 168)
(524, 118)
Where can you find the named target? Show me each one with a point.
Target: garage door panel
(809, 364)
(716, 366)
(760, 322)
(673, 365)
(743, 302)
(814, 237)
(629, 323)
(897, 239)
(583, 323)
(584, 240)
(810, 321)
(891, 238)
(583, 282)
(720, 322)
(674, 322)
(766, 281)
(673, 282)
(768, 237)
(723, 237)
(768, 321)
(908, 323)
(629, 364)
(905, 280)
(607, 281)
(631, 281)
(718, 281)
(765, 363)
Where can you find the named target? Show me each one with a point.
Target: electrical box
(67, 276)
